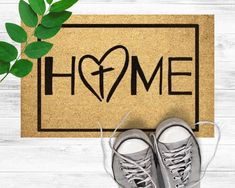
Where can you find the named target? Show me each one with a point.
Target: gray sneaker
(178, 154)
(134, 164)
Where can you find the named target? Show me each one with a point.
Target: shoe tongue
(143, 184)
(138, 155)
(176, 145)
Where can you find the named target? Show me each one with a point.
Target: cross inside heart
(102, 70)
(136, 70)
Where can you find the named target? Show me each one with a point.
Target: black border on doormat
(39, 99)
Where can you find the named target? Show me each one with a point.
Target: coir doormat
(104, 66)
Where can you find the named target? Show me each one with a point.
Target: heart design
(99, 63)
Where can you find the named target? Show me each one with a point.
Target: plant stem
(26, 43)
(4, 77)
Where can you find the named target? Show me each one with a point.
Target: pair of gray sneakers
(169, 158)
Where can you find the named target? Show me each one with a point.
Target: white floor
(73, 163)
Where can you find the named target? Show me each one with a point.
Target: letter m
(136, 69)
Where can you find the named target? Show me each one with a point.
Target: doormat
(102, 67)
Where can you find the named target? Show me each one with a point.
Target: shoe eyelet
(176, 185)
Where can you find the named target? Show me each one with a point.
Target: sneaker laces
(135, 174)
(203, 173)
(179, 162)
(127, 160)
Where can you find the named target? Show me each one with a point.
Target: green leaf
(38, 49)
(62, 5)
(16, 32)
(42, 32)
(21, 68)
(4, 67)
(49, 1)
(38, 6)
(28, 16)
(55, 19)
(8, 52)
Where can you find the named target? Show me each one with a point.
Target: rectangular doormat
(102, 67)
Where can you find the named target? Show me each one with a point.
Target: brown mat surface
(104, 66)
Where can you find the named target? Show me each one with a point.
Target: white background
(77, 163)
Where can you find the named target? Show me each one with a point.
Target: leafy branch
(46, 23)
